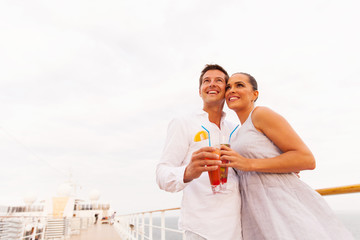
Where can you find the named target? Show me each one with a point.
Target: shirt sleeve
(170, 170)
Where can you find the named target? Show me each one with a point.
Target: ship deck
(98, 231)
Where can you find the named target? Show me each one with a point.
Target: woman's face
(239, 92)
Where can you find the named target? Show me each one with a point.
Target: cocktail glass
(215, 176)
(218, 177)
(224, 172)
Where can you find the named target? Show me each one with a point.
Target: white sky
(88, 87)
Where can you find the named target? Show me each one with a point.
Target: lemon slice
(200, 136)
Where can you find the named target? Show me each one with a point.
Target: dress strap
(249, 117)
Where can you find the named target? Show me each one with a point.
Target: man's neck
(215, 113)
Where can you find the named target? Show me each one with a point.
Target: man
(184, 165)
(96, 218)
(112, 218)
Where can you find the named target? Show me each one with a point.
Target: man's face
(212, 89)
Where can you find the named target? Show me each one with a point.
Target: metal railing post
(150, 227)
(130, 232)
(137, 226)
(142, 226)
(133, 220)
(162, 225)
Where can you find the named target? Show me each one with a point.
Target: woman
(276, 204)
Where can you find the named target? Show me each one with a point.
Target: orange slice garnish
(200, 136)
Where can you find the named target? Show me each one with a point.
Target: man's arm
(170, 169)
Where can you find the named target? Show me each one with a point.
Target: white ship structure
(67, 217)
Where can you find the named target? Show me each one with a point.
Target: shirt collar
(203, 113)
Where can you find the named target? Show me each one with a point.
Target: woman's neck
(243, 114)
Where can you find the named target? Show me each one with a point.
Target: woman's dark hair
(252, 80)
(213, 67)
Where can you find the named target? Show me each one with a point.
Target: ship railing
(41, 227)
(21, 228)
(141, 225)
(339, 190)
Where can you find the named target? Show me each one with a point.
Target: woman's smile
(233, 98)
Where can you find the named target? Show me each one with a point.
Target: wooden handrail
(339, 190)
(163, 210)
(323, 191)
(152, 211)
(127, 229)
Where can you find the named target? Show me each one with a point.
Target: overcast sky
(88, 88)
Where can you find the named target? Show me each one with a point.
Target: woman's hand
(234, 159)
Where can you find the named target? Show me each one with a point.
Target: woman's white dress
(280, 206)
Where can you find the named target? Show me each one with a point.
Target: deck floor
(97, 232)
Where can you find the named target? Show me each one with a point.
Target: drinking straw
(233, 132)
(208, 134)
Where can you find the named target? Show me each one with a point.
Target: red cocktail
(214, 176)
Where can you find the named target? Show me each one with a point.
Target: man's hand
(203, 160)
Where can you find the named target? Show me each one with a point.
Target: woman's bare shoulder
(263, 116)
(262, 111)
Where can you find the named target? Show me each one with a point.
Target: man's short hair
(213, 67)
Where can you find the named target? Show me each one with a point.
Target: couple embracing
(265, 199)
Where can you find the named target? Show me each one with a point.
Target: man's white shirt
(212, 216)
